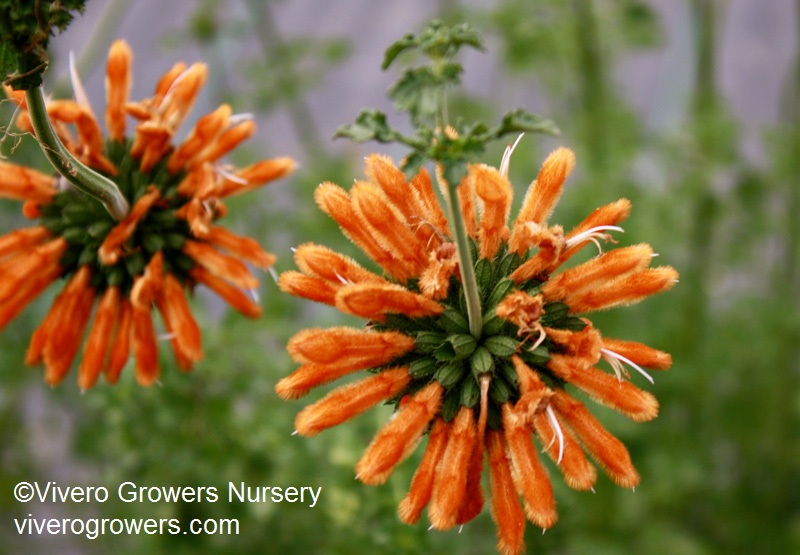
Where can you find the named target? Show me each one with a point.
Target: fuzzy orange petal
(118, 85)
(120, 345)
(233, 296)
(606, 389)
(606, 449)
(111, 249)
(317, 260)
(529, 475)
(388, 226)
(370, 300)
(610, 214)
(206, 130)
(22, 239)
(178, 317)
(578, 472)
(20, 183)
(506, 509)
(243, 247)
(495, 192)
(399, 437)
(226, 267)
(63, 343)
(624, 290)
(96, 346)
(347, 402)
(450, 483)
(421, 489)
(257, 175)
(309, 287)
(598, 270)
(639, 353)
(340, 343)
(543, 194)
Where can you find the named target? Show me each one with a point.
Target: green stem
(468, 281)
(83, 178)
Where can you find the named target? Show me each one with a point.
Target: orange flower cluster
(481, 398)
(166, 244)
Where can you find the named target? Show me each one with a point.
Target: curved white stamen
(593, 234)
(273, 273)
(504, 163)
(344, 281)
(551, 417)
(611, 355)
(230, 176)
(255, 295)
(540, 339)
(77, 85)
(236, 119)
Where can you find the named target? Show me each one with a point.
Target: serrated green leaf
(453, 321)
(470, 393)
(463, 345)
(501, 345)
(503, 288)
(428, 341)
(422, 367)
(522, 121)
(484, 274)
(481, 362)
(449, 374)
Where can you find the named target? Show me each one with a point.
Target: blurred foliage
(720, 466)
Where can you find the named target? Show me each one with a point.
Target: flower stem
(83, 178)
(468, 281)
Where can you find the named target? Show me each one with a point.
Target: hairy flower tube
(166, 244)
(481, 398)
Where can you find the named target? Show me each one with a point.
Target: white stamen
(551, 417)
(230, 176)
(273, 273)
(460, 528)
(294, 433)
(504, 163)
(592, 488)
(609, 355)
(236, 119)
(254, 294)
(593, 235)
(633, 489)
(344, 281)
(166, 336)
(77, 86)
(544, 530)
(293, 249)
(430, 527)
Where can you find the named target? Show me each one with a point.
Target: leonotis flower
(166, 244)
(477, 397)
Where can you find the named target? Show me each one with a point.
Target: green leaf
(503, 288)
(428, 341)
(453, 321)
(463, 345)
(396, 48)
(484, 274)
(481, 361)
(449, 374)
(501, 345)
(522, 121)
(422, 367)
(470, 393)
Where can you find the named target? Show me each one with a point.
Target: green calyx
(446, 351)
(84, 224)
(25, 29)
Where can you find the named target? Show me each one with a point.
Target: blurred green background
(691, 109)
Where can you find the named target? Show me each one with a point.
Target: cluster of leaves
(421, 92)
(25, 29)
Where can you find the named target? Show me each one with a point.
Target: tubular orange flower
(152, 257)
(489, 396)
